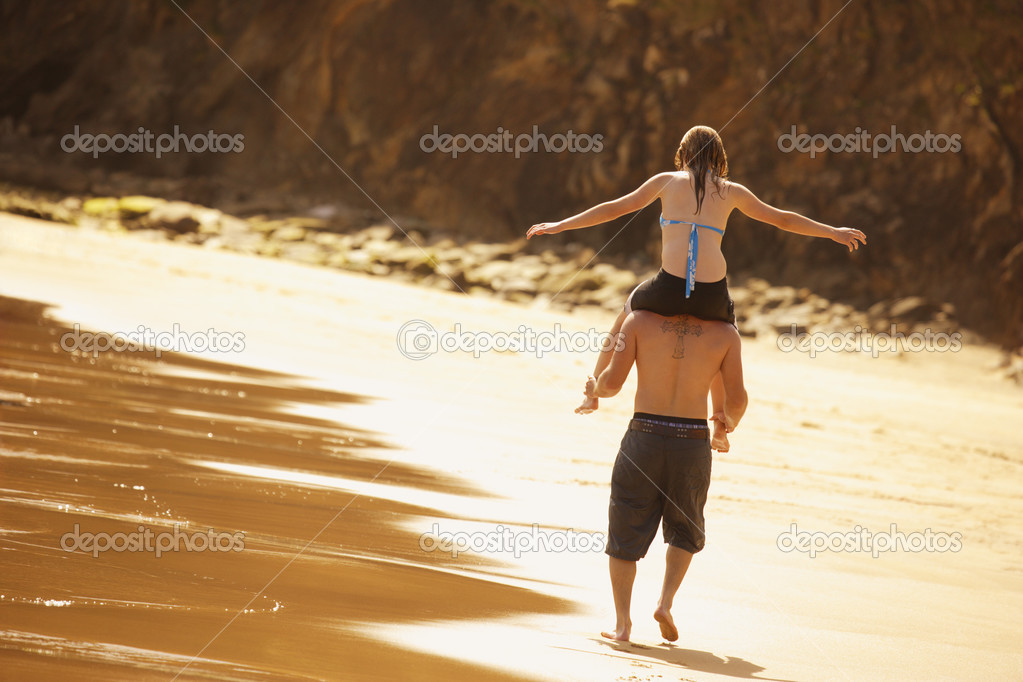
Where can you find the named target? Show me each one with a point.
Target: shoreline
(538, 273)
(830, 442)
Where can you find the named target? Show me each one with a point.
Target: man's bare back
(676, 358)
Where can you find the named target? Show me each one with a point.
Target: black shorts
(658, 479)
(665, 294)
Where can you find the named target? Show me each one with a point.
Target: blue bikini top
(694, 248)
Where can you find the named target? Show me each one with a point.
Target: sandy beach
(333, 458)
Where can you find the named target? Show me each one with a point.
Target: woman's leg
(607, 351)
(719, 439)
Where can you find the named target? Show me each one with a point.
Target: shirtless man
(662, 471)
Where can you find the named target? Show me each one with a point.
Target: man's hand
(544, 228)
(724, 419)
(848, 237)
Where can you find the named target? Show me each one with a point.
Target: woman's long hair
(701, 151)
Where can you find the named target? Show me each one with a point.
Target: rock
(354, 260)
(401, 255)
(229, 225)
(912, 309)
(332, 241)
(535, 272)
(375, 233)
(262, 224)
(303, 252)
(878, 310)
(517, 285)
(488, 252)
(755, 285)
(288, 233)
(177, 216)
(490, 274)
(775, 297)
(788, 328)
(337, 259)
(358, 261)
(137, 206)
(242, 242)
(442, 242)
(413, 259)
(100, 207)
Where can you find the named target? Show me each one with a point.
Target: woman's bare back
(678, 203)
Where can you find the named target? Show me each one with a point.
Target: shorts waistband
(690, 428)
(664, 274)
(665, 419)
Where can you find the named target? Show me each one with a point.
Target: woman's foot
(588, 405)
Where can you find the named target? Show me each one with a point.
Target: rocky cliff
(356, 85)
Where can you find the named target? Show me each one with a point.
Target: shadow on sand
(692, 659)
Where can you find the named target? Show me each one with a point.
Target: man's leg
(623, 575)
(676, 563)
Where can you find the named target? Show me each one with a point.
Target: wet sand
(332, 454)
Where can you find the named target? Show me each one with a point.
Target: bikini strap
(694, 249)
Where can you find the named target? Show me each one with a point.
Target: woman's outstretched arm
(609, 210)
(753, 207)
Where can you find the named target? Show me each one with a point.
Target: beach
(323, 462)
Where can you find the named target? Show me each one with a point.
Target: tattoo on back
(682, 328)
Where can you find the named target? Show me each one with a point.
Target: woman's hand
(847, 236)
(544, 228)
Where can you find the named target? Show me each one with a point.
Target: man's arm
(749, 204)
(736, 398)
(611, 380)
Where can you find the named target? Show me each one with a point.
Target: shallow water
(311, 531)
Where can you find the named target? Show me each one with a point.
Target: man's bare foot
(667, 623)
(719, 440)
(621, 634)
(588, 405)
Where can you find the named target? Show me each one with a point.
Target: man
(662, 471)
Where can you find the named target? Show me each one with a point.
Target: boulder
(303, 252)
(912, 309)
(136, 206)
(288, 233)
(177, 216)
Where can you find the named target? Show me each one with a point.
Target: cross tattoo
(681, 328)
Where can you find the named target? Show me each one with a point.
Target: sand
(331, 454)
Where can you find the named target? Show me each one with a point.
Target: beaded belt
(696, 431)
